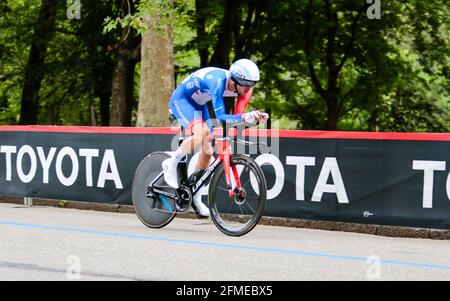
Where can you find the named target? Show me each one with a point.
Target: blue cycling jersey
(207, 84)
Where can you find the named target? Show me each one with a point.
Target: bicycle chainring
(184, 199)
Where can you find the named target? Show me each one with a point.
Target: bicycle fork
(230, 171)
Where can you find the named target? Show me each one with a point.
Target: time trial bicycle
(236, 195)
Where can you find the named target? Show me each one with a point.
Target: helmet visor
(244, 82)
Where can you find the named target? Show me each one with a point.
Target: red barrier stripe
(249, 132)
(89, 129)
(365, 135)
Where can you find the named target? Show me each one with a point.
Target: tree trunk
(157, 75)
(332, 99)
(52, 114)
(332, 114)
(122, 86)
(122, 92)
(221, 56)
(34, 70)
(330, 93)
(102, 82)
(243, 45)
(105, 101)
(102, 79)
(201, 32)
(100, 49)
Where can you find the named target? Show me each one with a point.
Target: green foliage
(164, 9)
(135, 22)
(77, 68)
(394, 73)
(16, 20)
(394, 77)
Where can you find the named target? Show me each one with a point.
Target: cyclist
(188, 104)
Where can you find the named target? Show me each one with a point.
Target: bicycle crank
(184, 199)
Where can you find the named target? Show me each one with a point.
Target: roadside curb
(381, 230)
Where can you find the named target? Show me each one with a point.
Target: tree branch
(308, 47)
(341, 103)
(349, 110)
(331, 35)
(220, 57)
(272, 53)
(247, 34)
(349, 45)
(200, 16)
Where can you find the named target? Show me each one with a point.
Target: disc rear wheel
(153, 211)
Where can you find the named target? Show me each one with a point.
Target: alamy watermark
(73, 272)
(374, 10)
(260, 140)
(374, 270)
(74, 9)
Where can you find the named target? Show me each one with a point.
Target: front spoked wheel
(238, 215)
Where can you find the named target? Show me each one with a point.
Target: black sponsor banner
(365, 181)
(92, 167)
(391, 179)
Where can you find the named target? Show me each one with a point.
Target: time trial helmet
(244, 72)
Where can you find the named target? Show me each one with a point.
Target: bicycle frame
(224, 155)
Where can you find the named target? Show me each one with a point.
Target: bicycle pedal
(201, 216)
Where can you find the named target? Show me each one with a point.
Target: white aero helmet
(244, 72)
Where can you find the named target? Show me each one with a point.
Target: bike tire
(222, 207)
(146, 172)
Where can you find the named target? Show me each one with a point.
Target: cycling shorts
(188, 113)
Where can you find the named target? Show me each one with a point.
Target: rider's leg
(205, 151)
(190, 117)
(205, 154)
(189, 145)
(200, 134)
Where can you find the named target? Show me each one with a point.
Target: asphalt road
(47, 243)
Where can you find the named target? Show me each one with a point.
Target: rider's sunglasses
(245, 83)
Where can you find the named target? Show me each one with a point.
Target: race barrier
(398, 179)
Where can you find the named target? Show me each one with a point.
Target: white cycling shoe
(200, 208)
(170, 173)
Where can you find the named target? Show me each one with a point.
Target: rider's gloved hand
(264, 118)
(252, 117)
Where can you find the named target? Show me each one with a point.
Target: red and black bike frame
(230, 170)
(224, 154)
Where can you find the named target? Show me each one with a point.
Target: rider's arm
(219, 105)
(242, 102)
(219, 109)
(207, 118)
